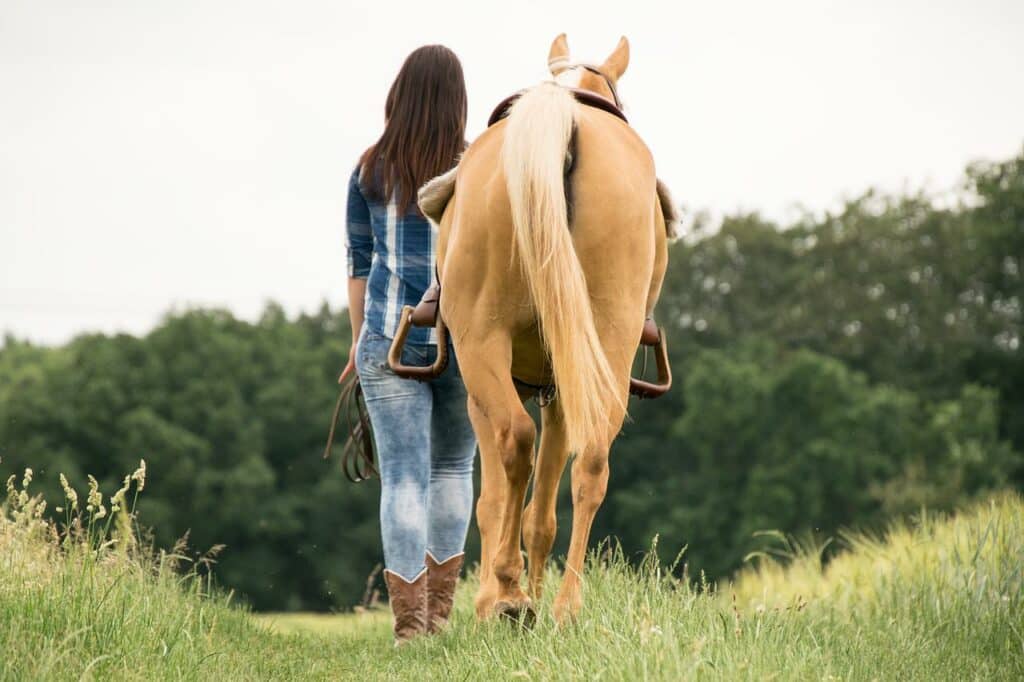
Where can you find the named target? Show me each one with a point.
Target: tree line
(831, 372)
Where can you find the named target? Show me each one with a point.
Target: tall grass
(87, 599)
(934, 598)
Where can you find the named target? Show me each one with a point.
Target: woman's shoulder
(356, 176)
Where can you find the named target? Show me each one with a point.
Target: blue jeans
(425, 449)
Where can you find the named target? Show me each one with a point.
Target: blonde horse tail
(537, 137)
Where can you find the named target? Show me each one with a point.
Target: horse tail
(537, 138)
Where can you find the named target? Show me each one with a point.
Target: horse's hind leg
(488, 507)
(501, 422)
(589, 485)
(539, 521)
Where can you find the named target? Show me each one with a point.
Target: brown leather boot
(408, 605)
(441, 580)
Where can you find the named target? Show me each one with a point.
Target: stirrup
(653, 335)
(426, 311)
(418, 372)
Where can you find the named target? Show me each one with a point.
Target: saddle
(425, 313)
(585, 97)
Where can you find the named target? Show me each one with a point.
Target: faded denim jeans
(425, 450)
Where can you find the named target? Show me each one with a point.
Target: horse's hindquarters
(614, 230)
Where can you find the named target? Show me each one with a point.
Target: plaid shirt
(395, 253)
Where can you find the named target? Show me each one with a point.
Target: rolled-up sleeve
(358, 234)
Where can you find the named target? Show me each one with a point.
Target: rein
(357, 455)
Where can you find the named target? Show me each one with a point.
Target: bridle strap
(608, 81)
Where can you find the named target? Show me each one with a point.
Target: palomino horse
(552, 247)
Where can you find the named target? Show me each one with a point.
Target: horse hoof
(522, 614)
(566, 613)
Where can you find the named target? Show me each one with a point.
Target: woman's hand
(350, 366)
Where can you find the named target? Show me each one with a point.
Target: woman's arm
(359, 243)
(356, 296)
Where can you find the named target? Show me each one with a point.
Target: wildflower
(59, 510)
(69, 493)
(28, 478)
(140, 475)
(100, 513)
(10, 485)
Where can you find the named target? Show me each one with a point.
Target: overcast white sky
(164, 154)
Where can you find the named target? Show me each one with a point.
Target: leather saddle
(586, 97)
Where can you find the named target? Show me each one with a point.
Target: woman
(424, 440)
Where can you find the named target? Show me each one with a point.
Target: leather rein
(357, 461)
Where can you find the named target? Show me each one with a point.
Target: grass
(942, 598)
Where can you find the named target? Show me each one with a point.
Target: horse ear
(558, 56)
(616, 64)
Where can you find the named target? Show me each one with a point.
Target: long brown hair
(424, 129)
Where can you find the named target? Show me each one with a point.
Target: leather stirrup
(652, 335)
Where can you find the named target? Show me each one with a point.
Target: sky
(156, 156)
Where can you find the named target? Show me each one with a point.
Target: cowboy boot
(408, 605)
(441, 580)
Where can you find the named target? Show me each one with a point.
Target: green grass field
(941, 598)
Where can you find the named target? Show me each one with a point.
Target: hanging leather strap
(357, 460)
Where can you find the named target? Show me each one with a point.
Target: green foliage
(838, 371)
(230, 417)
(797, 441)
(845, 369)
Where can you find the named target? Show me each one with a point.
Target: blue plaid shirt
(395, 254)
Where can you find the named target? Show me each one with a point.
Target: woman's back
(390, 244)
(395, 252)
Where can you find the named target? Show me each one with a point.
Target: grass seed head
(117, 500)
(69, 493)
(140, 475)
(95, 499)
